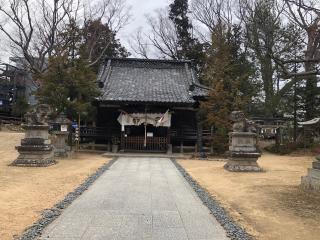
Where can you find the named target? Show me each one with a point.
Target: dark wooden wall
(183, 121)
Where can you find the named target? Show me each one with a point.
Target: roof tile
(141, 80)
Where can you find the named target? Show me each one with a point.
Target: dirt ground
(269, 205)
(25, 192)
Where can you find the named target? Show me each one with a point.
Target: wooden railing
(11, 120)
(105, 133)
(175, 133)
(189, 134)
(136, 143)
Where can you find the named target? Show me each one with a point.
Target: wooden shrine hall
(148, 105)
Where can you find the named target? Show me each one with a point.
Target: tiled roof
(145, 80)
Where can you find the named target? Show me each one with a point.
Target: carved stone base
(243, 153)
(35, 149)
(243, 162)
(243, 165)
(35, 159)
(312, 180)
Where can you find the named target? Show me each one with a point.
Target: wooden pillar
(122, 139)
(109, 146)
(169, 145)
(199, 135)
(181, 147)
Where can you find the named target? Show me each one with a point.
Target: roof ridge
(148, 60)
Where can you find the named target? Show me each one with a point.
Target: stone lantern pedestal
(312, 180)
(60, 136)
(59, 142)
(243, 154)
(35, 149)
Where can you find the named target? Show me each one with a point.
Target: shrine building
(149, 105)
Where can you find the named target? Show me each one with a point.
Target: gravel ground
(234, 231)
(49, 215)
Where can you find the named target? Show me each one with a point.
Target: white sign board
(64, 128)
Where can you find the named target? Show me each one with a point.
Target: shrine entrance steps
(147, 155)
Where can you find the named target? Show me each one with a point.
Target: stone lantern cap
(63, 122)
(62, 119)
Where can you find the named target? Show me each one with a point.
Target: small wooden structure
(267, 126)
(148, 105)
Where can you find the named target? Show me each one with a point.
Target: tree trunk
(266, 74)
(311, 82)
(310, 94)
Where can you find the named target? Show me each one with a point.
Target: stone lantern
(243, 152)
(36, 149)
(60, 136)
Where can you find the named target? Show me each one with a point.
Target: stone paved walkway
(137, 199)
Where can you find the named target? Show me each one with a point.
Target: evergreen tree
(229, 75)
(179, 15)
(188, 46)
(263, 27)
(69, 84)
(99, 39)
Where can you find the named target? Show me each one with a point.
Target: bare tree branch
(115, 13)
(163, 35)
(212, 12)
(34, 27)
(139, 44)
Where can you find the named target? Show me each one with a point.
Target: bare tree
(163, 35)
(306, 14)
(104, 19)
(139, 44)
(114, 13)
(264, 34)
(32, 33)
(33, 26)
(210, 13)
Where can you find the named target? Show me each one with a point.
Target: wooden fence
(137, 143)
